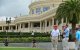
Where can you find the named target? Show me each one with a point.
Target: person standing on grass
(6, 42)
(64, 42)
(33, 40)
(77, 39)
(54, 37)
(67, 31)
(65, 38)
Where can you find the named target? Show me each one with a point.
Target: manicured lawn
(18, 48)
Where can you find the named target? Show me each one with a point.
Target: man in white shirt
(54, 37)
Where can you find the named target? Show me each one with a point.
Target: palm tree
(69, 9)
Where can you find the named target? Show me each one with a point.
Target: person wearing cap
(77, 39)
(66, 32)
(66, 38)
(54, 37)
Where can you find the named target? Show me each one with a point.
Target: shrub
(24, 40)
(23, 34)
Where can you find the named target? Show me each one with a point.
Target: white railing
(36, 29)
(37, 0)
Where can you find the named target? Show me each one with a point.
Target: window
(14, 27)
(47, 23)
(26, 25)
(18, 26)
(21, 25)
(0, 28)
(38, 10)
(36, 24)
(55, 21)
(7, 28)
(32, 11)
(45, 9)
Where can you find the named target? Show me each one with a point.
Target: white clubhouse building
(40, 18)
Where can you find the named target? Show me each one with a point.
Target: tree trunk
(73, 21)
(73, 32)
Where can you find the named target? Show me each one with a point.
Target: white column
(40, 26)
(20, 27)
(29, 26)
(62, 23)
(45, 25)
(41, 10)
(49, 23)
(16, 27)
(57, 22)
(50, 26)
(9, 27)
(2, 28)
(52, 21)
(23, 25)
(12, 28)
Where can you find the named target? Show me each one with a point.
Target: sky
(13, 8)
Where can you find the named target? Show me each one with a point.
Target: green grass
(18, 48)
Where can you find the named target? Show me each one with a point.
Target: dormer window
(38, 10)
(33, 11)
(45, 9)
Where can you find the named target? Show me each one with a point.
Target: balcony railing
(37, 0)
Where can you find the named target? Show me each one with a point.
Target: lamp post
(8, 21)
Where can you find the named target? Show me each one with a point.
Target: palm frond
(67, 10)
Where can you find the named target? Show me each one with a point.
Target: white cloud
(14, 7)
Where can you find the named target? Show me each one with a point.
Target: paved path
(43, 45)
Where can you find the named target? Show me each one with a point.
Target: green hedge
(23, 34)
(29, 39)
